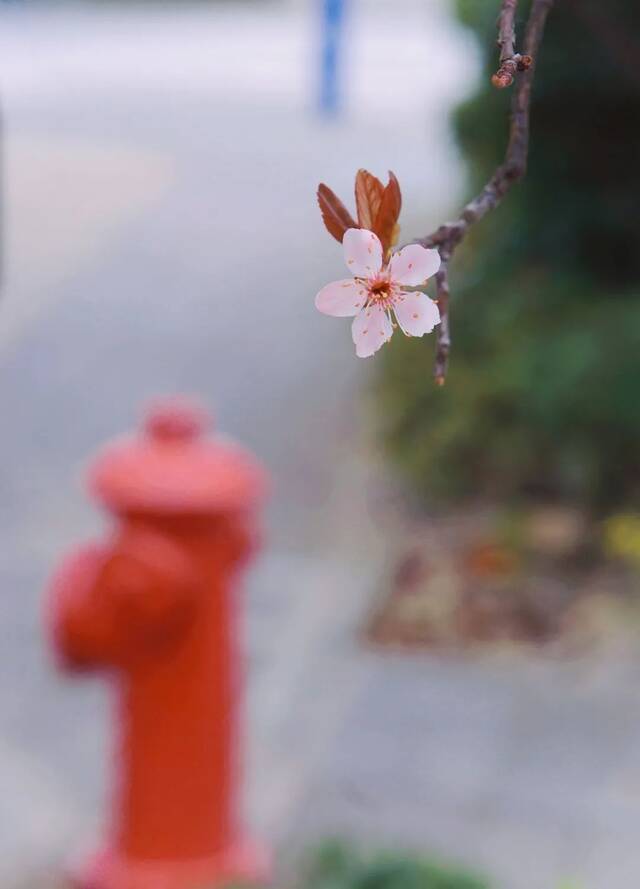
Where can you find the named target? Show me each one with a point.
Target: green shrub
(338, 866)
(542, 393)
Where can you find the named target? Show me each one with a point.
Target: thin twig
(448, 236)
(506, 29)
(444, 337)
(507, 43)
(510, 60)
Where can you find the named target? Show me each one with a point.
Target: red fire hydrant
(156, 606)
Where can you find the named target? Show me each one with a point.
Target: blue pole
(332, 27)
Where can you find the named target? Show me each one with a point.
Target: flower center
(381, 291)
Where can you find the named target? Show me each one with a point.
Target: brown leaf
(369, 191)
(385, 225)
(335, 215)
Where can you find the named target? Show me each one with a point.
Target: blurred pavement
(161, 235)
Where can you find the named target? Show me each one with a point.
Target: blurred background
(442, 632)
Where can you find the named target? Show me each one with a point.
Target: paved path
(162, 235)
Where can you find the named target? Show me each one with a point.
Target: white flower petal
(416, 313)
(413, 265)
(362, 252)
(370, 330)
(341, 298)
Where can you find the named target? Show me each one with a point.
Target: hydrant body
(156, 605)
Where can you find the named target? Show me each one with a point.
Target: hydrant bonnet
(173, 468)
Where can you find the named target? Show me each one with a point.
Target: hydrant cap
(172, 467)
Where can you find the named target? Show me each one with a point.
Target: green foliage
(337, 866)
(542, 389)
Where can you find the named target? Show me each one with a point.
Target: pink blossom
(376, 291)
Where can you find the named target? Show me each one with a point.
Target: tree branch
(448, 236)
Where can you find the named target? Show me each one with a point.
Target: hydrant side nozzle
(80, 624)
(153, 584)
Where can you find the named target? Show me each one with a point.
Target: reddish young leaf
(335, 215)
(387, 218)
(369, 191)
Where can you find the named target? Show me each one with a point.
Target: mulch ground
(478, 579)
